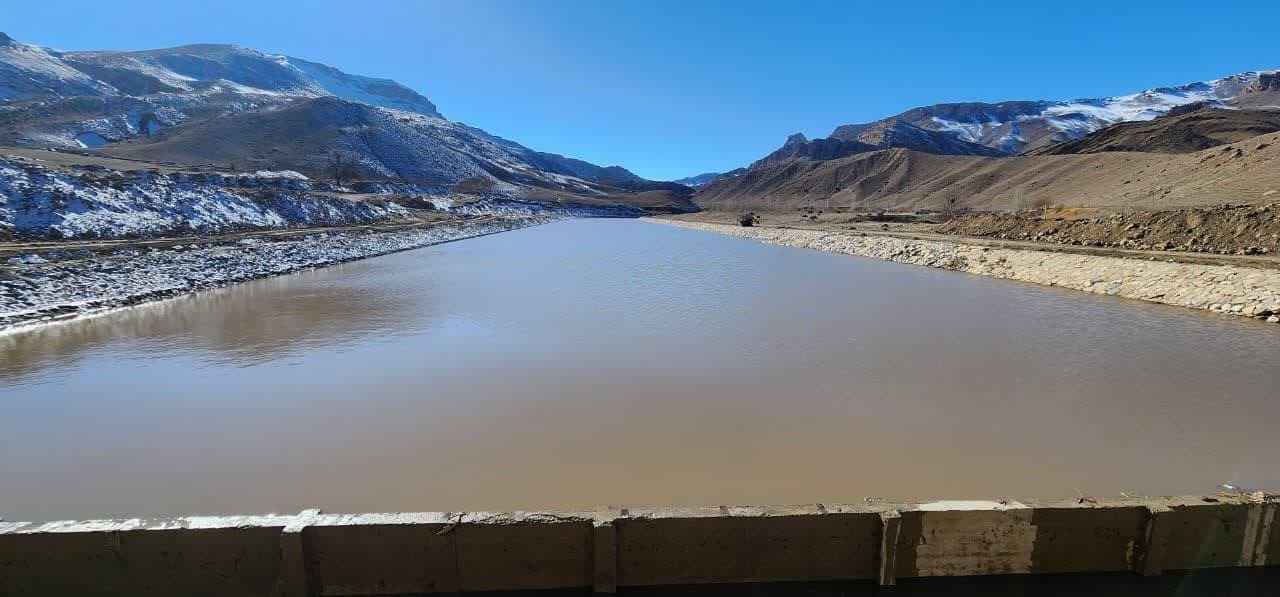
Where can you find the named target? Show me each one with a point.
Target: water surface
(623, 362)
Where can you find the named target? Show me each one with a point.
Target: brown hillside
(1243, 172)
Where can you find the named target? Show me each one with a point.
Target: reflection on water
(243, 325)
(621, 362)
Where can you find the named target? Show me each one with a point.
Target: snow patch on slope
(28, 71)
(972, 132)
(42, 202)
(377, 92)
(1073, 119)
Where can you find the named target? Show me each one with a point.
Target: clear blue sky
(674, 88)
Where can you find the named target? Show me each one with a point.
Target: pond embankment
(55, 285)
(1225, 289)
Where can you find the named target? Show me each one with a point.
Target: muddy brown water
(623, 362)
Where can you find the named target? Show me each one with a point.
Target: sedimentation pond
(593, 362)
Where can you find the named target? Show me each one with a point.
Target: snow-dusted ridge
(30, 71)
(229, 68)
(1012, 127)
(44, 202)
(168, 104)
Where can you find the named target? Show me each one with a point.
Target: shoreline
(46, 293)
(1227, 289)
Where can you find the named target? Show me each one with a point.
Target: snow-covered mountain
(1008, 128)
(1015, 126)
(698, 180)
(391, 144)
(228, 106)
(31, 71)
(88, 99)
(34, 72)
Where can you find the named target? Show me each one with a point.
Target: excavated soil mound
(1228, 229)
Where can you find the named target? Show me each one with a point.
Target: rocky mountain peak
(799, 147)
(1265, 82)
(796, 139)
(896, 132)
(1262, 92)
(885, 131)
(5, 39)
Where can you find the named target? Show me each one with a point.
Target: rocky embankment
(1219, 288)
(43, 287)
(1225, 230)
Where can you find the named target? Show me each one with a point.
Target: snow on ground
(41, 202)
(972, 132)
(37, 290)
(517, 208)
(280, 174)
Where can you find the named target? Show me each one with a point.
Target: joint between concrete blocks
(295, 573)
(1153, 547)
(891, 524)
(1257, 534)
(604, 567)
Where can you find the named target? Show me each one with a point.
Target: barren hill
(1242, 172)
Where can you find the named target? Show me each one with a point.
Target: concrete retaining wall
(391, 554)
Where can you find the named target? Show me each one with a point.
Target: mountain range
(1014, 127)
(1160, 147)
(698, 180)
(231, 107)
(238, 109)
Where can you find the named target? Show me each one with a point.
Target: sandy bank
(1220, 288)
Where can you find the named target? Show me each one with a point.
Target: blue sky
(674, 88)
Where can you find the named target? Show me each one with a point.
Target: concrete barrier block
(431, 553)
(1271, 539)
(965, 538)
(1257, 533)
(1199, 534)
(217, 561)
(64, 563)
(499, 552)
(689, 546)
(382, 554)
(1085, 538)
